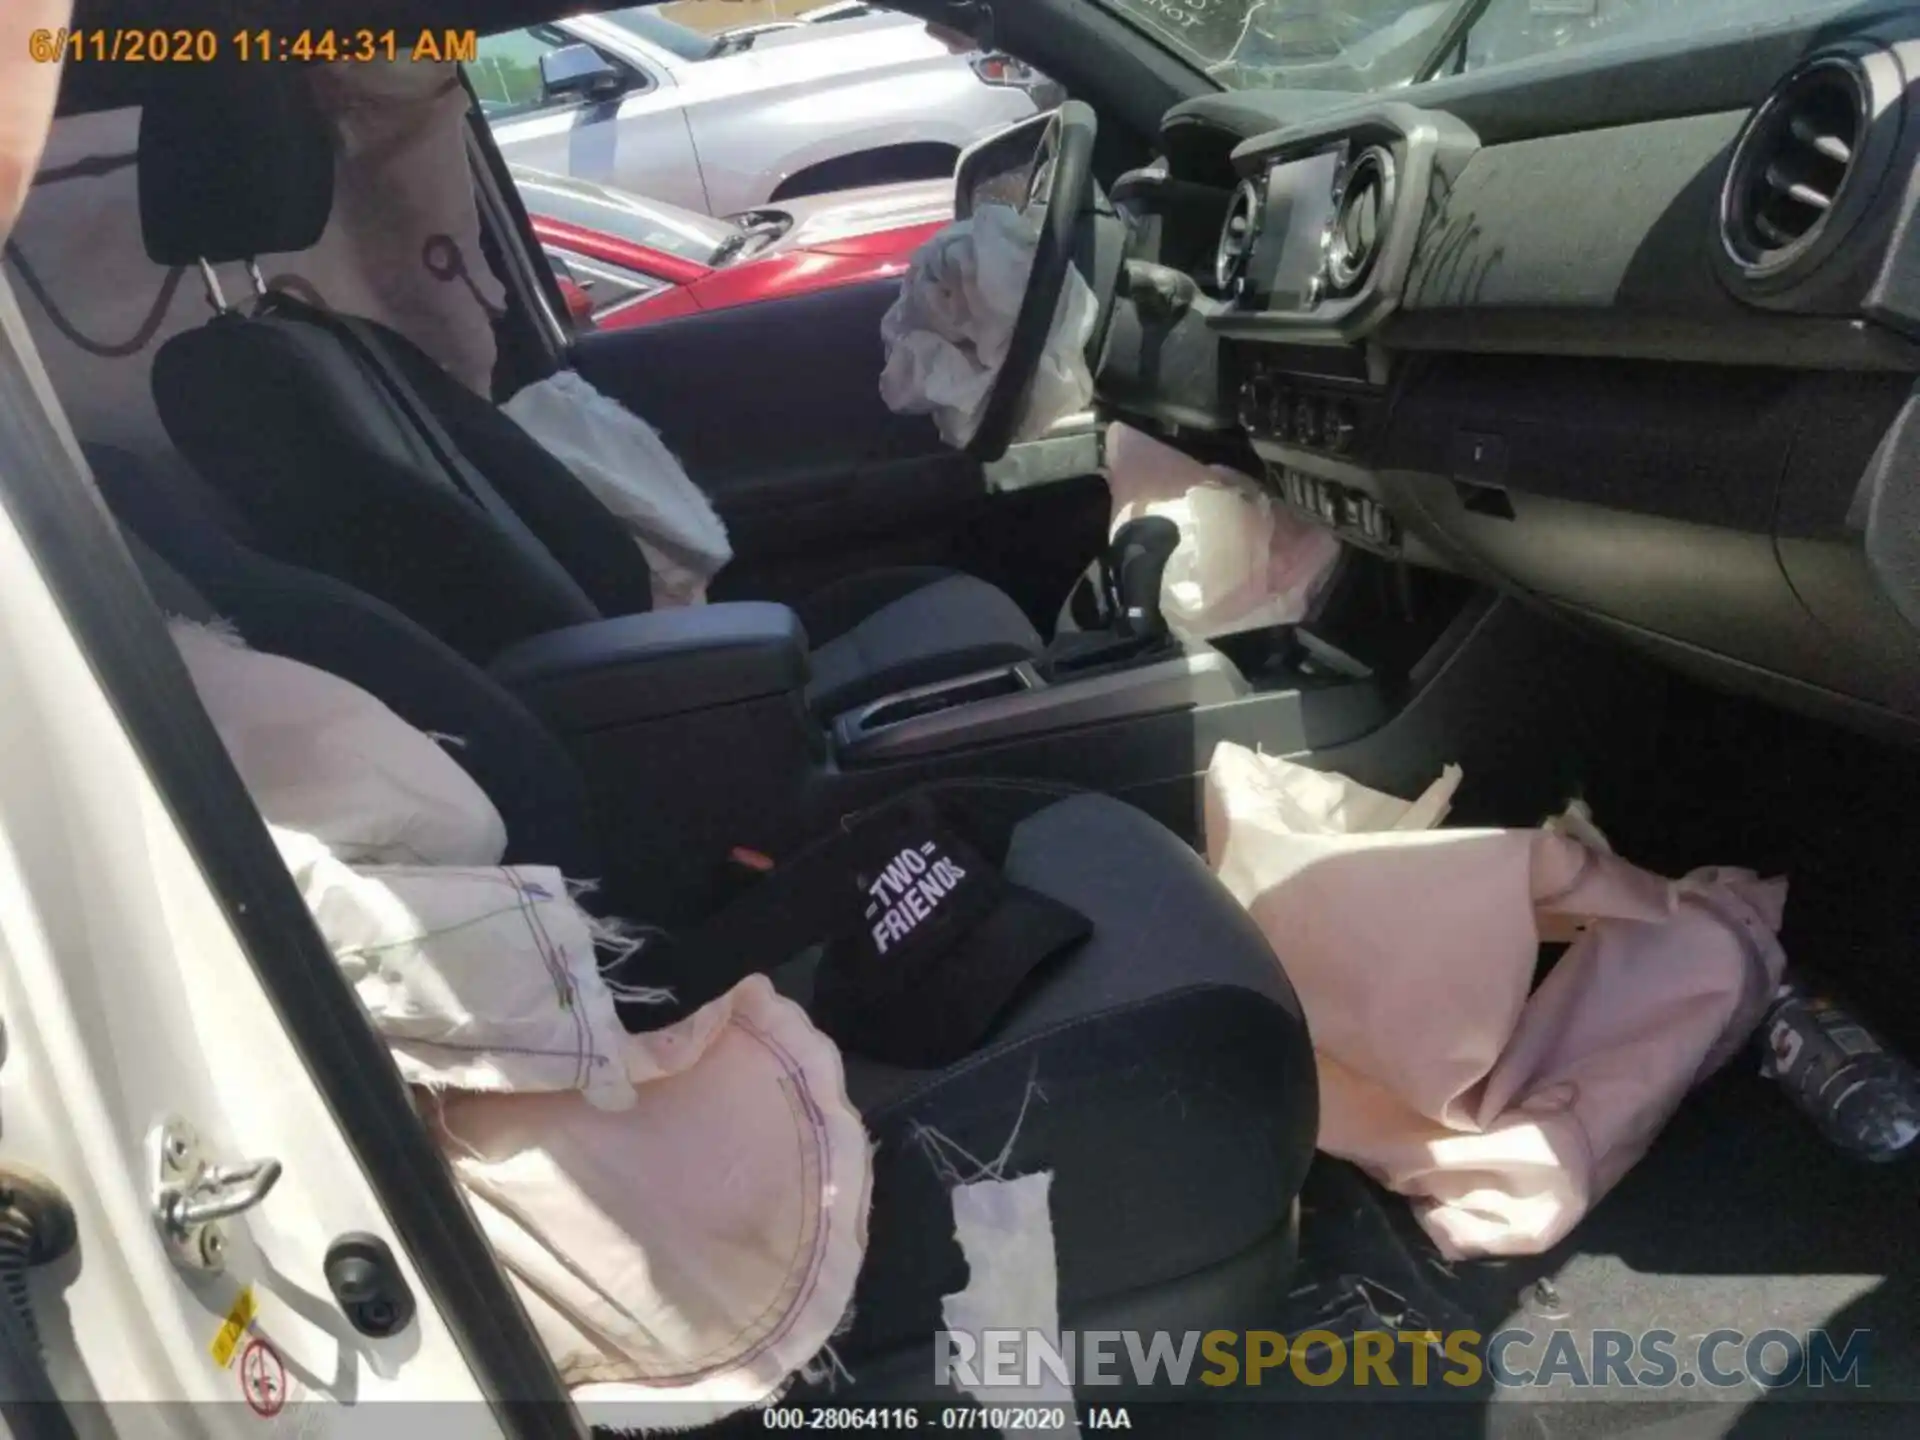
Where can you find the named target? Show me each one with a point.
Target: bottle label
(1851, 1040)
(1784, 1045)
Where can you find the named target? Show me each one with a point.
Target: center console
(1319, 438)
(692, 730)
(1130, 669)
(695, 736)
(1033, 698)
(636, 669)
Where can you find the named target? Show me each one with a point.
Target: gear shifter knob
(1135, 563)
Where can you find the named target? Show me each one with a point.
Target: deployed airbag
(403, 244)
(683, 1212)
(1005, 1230)
(1244, 561)
(624, 462)
(1505, 1112)
(947, 335)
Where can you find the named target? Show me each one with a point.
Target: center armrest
(668, 662)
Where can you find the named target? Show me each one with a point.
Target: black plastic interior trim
(666, 662)
(1892, 491)
(1426, 150)
(1728, 672)
(99, 591)
(1452, 37)
(1753, 338)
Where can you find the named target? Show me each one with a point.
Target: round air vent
(1796, 167)
(1237, 234)
(1362, 208)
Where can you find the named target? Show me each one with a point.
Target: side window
(607, 287)
(505, 70)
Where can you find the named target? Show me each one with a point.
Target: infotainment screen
(1299, 205)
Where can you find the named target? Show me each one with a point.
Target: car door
(775, 410)
(637, 139)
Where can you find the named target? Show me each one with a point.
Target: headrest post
(215, 296)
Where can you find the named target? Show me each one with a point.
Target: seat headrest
(235, 161)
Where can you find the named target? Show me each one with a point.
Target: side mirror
(579, 72)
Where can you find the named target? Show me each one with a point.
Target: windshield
(653, 27)
(1366, 45)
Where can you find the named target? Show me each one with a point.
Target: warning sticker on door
(263, 1379)
(227, 1338)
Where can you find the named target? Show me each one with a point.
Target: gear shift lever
(1134, 564)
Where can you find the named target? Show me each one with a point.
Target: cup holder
(932, 699)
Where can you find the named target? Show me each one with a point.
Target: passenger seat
(349, 451)
(1162, 1072)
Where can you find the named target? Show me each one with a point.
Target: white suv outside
(723, 123)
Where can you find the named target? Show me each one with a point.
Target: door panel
(775, 410)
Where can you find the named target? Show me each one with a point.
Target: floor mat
(1741, 1218)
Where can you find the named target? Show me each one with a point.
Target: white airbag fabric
(1504, 1115)
(100, 310)
(946, 336)
(694, 1251)
(624, 462)
(479, 975)
(687, 1228)
(402, 246)
(323, 757)
(1005, 1231)
(1244, 562)
(480, 978)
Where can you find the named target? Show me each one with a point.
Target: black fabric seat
(1162, 1071)
(313, 430)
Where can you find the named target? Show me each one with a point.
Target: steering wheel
(1062, 181)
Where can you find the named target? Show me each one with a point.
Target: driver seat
(343, 448)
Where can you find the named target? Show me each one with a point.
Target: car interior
(1604, 366)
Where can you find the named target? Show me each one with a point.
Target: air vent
(1794, 167)
(1237, 234)
(1362, 209)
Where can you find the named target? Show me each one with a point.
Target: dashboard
(1635, 332)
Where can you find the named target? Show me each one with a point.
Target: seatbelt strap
(454, 465)
(800, 902)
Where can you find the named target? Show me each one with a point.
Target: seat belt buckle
(750, 861)
(743, 868)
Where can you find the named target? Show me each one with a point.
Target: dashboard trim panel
(1423, 148)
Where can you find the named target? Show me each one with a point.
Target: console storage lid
(668, 662)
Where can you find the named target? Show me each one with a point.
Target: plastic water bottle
(1864, 1098)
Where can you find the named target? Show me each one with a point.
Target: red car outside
(625, 260)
